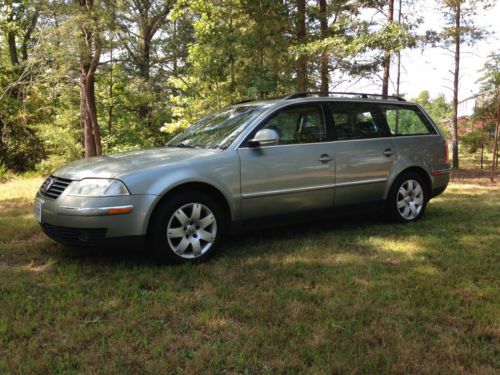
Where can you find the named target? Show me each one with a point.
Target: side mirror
(265, 137)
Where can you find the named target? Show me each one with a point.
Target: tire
(408, 198)
(186, 228)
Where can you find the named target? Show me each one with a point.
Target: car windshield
(218, 130)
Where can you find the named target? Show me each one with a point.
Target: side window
(406, 121)
(356, 121)
(300, 124)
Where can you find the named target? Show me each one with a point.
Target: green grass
(350, 296)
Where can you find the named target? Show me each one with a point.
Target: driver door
(297, 174)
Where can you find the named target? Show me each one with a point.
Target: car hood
(119, 165)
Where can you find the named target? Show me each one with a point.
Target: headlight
(97, 187)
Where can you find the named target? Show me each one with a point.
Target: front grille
(53, 187)
(74, 236)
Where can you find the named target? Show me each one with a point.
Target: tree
(147, 17)
(20, 22)
(324, 56)
(239, 50)
(387, 53)
(90, 46)
(20, 147)
(139, 23)
(301, 39)
(494, 163)
(398, 53)
(438, 108)
(460, 28)
(489, 110)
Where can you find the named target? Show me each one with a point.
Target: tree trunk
(145, 63)
(482, 153)
(175, 50)
(91, 133)
(494, 159)
(324, 56)
(2, 143)
(92, 111)
(454, 134)
(387, 54)
(90, 54)
(144, 72)
(398, 74)
(11, 39)
(110, 109)
(83, 113)
(301, 36)
(27, 35)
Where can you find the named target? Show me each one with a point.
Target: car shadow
(254, 240)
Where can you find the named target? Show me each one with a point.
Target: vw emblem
(47, 184)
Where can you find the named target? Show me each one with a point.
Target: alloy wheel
(191, 230)
(410, 199)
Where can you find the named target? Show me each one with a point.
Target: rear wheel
(408, 198)
(187, 228)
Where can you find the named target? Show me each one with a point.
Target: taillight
(446, 157)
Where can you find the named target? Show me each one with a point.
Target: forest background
(91, 77)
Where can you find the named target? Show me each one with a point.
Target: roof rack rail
(360, 94)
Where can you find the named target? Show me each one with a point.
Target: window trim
(244, 144)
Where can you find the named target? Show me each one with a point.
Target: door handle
(388, 152)
(325, 158)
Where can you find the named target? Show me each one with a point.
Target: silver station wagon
(297, 157)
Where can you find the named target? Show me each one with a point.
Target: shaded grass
(349, 296)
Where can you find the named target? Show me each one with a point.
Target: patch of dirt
(475, 176)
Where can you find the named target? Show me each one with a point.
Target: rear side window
(356, 121)
(405, 121)
(298, 124)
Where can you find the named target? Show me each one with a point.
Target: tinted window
(356, 121)
(299, 124)
(406, 121)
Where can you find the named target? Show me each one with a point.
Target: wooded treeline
(85, 77)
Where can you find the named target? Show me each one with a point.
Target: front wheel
(186, 228)
(408, 198)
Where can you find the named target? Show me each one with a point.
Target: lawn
(349, 296)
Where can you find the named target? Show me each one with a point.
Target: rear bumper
(438, 191)
(440, 181)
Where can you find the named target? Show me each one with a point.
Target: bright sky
(432, 69)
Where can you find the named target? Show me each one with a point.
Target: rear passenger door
(363, 151)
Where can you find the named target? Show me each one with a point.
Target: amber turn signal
(119, 210)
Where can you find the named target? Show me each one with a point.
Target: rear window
(404, 121)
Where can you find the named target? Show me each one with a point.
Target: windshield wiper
(184, 145)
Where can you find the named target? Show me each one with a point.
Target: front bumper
(109, 217)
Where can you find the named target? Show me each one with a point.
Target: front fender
(221, 173)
